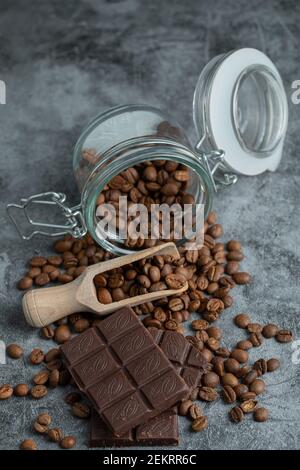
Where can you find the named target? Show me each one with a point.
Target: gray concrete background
(64, 62)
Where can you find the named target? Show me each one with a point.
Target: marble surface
(64, 62)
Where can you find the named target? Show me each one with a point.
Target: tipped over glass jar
(137, 151)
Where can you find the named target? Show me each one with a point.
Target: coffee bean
(254, 328)
(55, 364)
(62, 334)
(241, 278)
(240, 355)
(38, 261)
(208, 394)
(236, 414)
(28, 444)
(232, 267)
(273, 364)
(40, 428)
(72, 398)
(52, 355)
(25, 283)
(215, 305)
(47, 332)
(38, 391)
(14, 351)
(21, 390)
(284, 336)
(36, 356)
(210, 379)
(64, 278)
(261, 414)
(44, 419)
(223, 352)
(258, 386)
(228, 394)
(213, 344)
(231, 365)
(6, 391)
(215, 231)
(214, 332)
(184, 407)
(55, 260)
(245, 344)
(68, 442)
(80, 410)
(42, 279)
(171, 325)
(243, 371)
(175, 281)
(81, 325)
(41, 378)
(247, 396)
(235, 255)
(175, 304)
(234, 245)
(240, 389)
(242, 320)
(195, 411)
(229, 379)
(248, 406)
(55, 434)
(250, 377)
(104, 296)
(54, 378)
(211, 218)
(218, 363)
(154, 274)
(199, 424)
(256, 339)
(270, 330)
(260, 366)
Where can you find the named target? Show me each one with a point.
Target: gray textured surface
(64, 62)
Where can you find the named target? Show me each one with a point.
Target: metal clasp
(215, 164)
(75, 224)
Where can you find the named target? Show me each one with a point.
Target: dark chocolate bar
(127, 377)
(159, 431)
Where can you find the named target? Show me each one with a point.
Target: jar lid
(240, 106)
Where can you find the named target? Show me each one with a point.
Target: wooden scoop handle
(44, 306)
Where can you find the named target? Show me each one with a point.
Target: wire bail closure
(215, 164)
(75, 224)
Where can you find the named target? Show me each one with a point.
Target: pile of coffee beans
(211, 273)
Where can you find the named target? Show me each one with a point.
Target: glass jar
(240, 114)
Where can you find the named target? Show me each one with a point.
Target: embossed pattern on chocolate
(124, 373)
(159, 431)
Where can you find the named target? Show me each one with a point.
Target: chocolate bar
(159, 431)
(127, 377)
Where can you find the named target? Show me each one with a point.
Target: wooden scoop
(44, 306)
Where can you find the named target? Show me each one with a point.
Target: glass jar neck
(133, 152)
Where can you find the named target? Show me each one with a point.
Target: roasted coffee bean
(236, 414)
(64, 278)
(52, 354)
(261, 414)
(195, 411)
(55, 260)
(250, 377)
(215, 305)
(223, 352)
(270, 330)
(21, 390)
(240, 355)
(175, 304)
(104, 296)
(212, 218)
(243, 371)
(254, 328)
(47, 332)
(72, 398)
(6, 391)
(38, 261)
(284, 336)
(41, 378)
(55, 434)
(235, 255)
(14, 351)
(55, 364)
(244, 344)
(54, 378)
(154, 274)
(213, 344)
(81, 325)
(258, 386)
(42, 279)
(44, 419)
(175, 281)
(229, 379)
(183, 408)
(273, 364)
(214, 332)
(36, 356)
(38, 391)
(228, 394)
(248, 406)
(159, 314)
(171, 325)
(260, 366)
(25, 283)
(208, 394)
(158, 286)
(210, 379)
(242, 320)
(200, 325)
(202, 335)
(218, 363)
(234, 245)
(80, 410)
(199, 424)
(28, 444)
(241, 278)
(215, 231)
(256, 339)
(232, 267)
(240, 389)
(152, 323)
(40, 428)
(68, 442)
(227, 301)
(231, 365)
(62, 334)
(212, 288)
